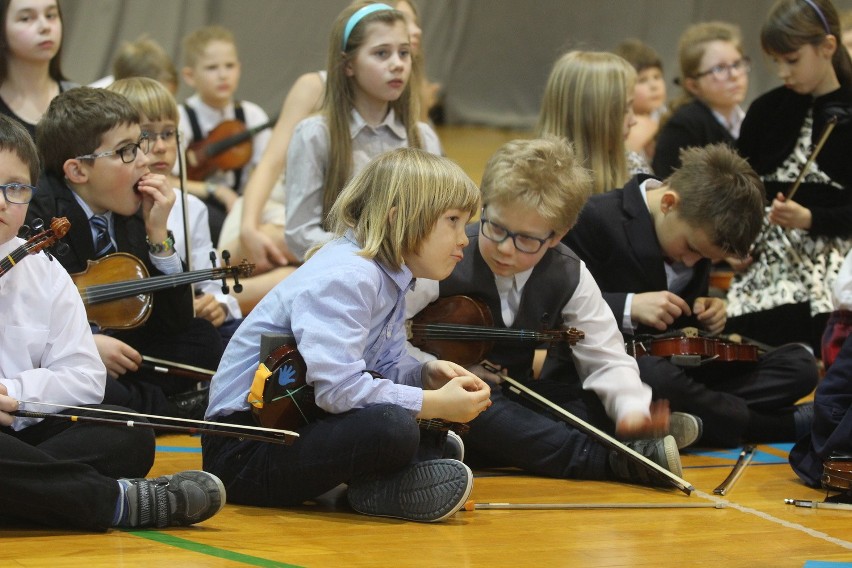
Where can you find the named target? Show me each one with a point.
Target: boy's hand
(658, 309)
(7, 405)
(789, 214)
(158, 197)
(207, 307)
(484, 372)
(118, 357)
(460, 395)
(711, 314)
(637, 425)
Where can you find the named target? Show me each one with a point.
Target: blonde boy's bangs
(149, 97)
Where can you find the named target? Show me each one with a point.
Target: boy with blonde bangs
(212, 69)
(649, 246)
(97, 175)
(532, 192)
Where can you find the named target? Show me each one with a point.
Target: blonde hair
(585, 101)
(339, 97)
(417, 186)
(149, 97)
(691, 49)
(144, 58)
(196, 42)
(543, 175)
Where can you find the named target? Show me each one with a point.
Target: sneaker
(428, 491)
(686, 429)
(181, 499)
(453, 447)
(803, 418)
(662, 451)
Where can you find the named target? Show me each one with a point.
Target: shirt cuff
(626, 321)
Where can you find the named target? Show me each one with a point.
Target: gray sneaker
(686, 429)
(428, 491)
(661, 451)
(180, 499)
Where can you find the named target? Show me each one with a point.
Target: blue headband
(813, 5)
(358, 16)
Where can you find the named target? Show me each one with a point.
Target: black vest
(549, 288)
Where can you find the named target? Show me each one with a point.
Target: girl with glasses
(714, 79)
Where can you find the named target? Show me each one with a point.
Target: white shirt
(842, 291)
(209, 118)
(47, 352)
(599, 357)
(307, 164)
(201, 244)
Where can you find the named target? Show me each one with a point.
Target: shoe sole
(685, 428)
(426, 492)
(672, 456)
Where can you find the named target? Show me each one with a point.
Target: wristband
(164, 246)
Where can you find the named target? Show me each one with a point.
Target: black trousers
(63, 474)
(146, 390)
(724, 394)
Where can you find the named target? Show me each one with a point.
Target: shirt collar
(731, 123)
(402, 277)
(357, 124)
(88, 210)
(504, 283)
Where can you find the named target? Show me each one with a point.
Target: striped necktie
(103, 242)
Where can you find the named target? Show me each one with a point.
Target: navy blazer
(693, 124)
(615, 237)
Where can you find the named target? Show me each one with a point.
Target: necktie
(103, 242)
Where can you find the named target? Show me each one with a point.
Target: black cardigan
(768, 136)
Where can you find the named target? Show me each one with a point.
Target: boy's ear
(75, 172)
(669, 202)
(392, 215)
(558, 236)
(188, 76)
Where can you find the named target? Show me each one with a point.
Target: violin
(47, 238)
(693, 351)
(281, 398)
(227, 147)
(461, 329)
(837, 474)
(116, 289)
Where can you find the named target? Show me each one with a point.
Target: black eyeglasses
(127, 153)
(524, 243)
(166, 135)
(723, 71)
(17, 192)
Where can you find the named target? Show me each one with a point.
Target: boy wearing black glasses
(96, 174)
(532, 192)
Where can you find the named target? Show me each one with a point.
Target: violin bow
(829, 126)
(742, 462)
(262, 434)
(174, 368)
(184, 201)
(596, 433)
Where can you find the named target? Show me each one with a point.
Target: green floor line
(171, 540)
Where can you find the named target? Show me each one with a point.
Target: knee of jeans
(395, 426)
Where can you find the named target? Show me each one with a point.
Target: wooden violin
(837, 474)
(460, 329)
(227, 147)
(58, 228)
(116, 289)
(281, 398)
(693, 351)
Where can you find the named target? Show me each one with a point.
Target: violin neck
(479, 333)
(117, 290)
(216, 148)
(11, 259)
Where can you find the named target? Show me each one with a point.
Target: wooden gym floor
(753, 528)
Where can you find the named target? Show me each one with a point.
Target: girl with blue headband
(369, 107)
(783, 292)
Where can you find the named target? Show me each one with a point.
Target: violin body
(227, 147)
(698, 349)
(837, 474)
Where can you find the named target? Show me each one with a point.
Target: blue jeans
(334, 449)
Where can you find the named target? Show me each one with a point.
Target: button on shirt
(307, 166)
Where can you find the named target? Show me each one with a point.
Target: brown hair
(721, 194)
(144, 58)
(639, 54)
(14, 138)
(196, 42)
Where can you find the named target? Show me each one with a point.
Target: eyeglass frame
(5, 188)
(743, 63)
(154, 136)
(120, 151)
(483, 220)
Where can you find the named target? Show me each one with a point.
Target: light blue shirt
(347, 315)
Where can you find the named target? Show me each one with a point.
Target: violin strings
(451, 331)
(106, 292)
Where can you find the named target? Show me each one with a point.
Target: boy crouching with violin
(96, 174)
(532, 191)
(649, 245)
(54, 471)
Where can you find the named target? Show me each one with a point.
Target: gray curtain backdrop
(491, 56)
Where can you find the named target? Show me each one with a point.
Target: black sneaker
(661, 451)
(428, 491)
(181, 499)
